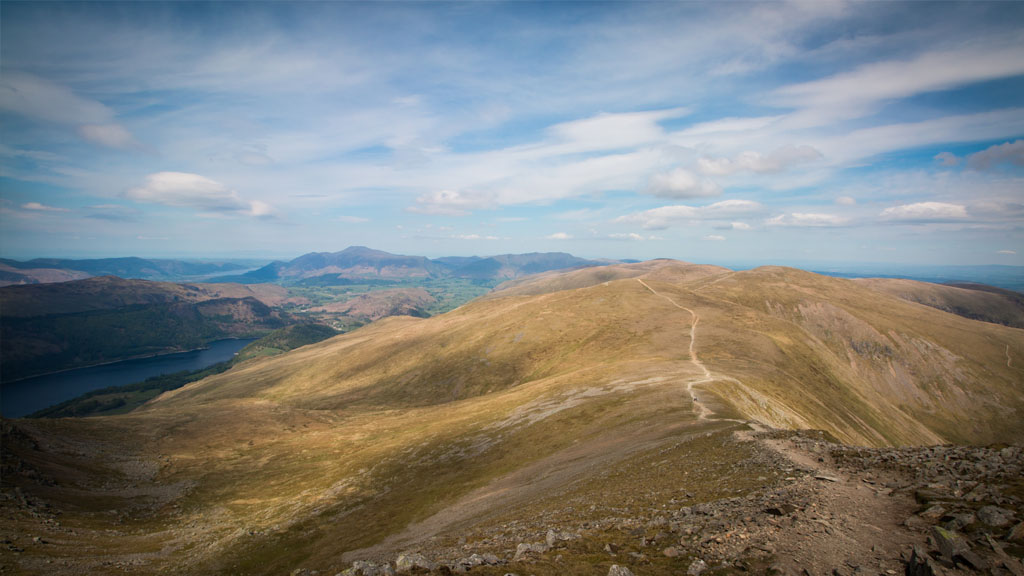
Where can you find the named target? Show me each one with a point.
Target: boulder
(555, 538)
(697, 567)
(950, 543)
(361, 568)
(617, 570)
(413, 563)
(995, 516)
(523, 550)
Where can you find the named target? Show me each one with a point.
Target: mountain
(352, 262)
(42, 270)
(507, 266)
(360, 262)
(976, 301)
(50, 327)
(11, 275)
(563, 423)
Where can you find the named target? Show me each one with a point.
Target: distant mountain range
(46, 270)
(360, 262)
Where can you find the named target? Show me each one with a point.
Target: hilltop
(561, 424)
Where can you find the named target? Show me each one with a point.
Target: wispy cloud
(775, 161)
(352, 219)
(666, 216)
(925, 212)
(29, 95)
(185, 190)
(1009, 153)
(37, 207)
(808, 220)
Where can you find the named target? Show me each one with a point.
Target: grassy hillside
(975, 301)
(377, 439)
(50, 327)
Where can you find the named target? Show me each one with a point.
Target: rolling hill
(360, 262)
(42, 270)
(976, 301)
(597, 404)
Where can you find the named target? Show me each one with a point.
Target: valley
(560, 424)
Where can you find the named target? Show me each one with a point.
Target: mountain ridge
(570, 395)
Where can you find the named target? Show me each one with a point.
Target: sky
(708, 132)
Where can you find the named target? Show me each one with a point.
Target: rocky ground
(830, 509)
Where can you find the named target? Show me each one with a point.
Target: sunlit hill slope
(347, 446)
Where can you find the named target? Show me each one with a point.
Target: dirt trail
(703, 411)
(845, 521)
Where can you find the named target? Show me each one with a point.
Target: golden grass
(340, 445)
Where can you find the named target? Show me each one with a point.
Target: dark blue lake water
(24, 397)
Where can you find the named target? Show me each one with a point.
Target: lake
(24, 397)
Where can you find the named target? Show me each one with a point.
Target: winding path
(702, 411)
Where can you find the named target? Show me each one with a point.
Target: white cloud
(775, 161)
(947, 159)
(37, 207)
(558, 236)
(733, 226)
(1007, 252)
(925, 212)
(665, 216)
(352, 219)
(186, 190)
(450, 203)
(631, 236)
(112, 212)
(808, 220)
(714, 237)
(110, 135)
(846, 201)
(611, 131)
(727, 125)
(867, 142)
(856, 93)
(36, 97)
(474, 237)
(1009, 152)
(680, 183)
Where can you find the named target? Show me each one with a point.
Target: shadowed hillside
(546, 391)
(50, 327)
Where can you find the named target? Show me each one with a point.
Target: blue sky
(724, 132)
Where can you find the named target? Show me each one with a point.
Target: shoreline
(140, 357)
